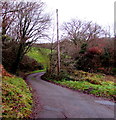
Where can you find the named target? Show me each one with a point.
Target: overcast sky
(98, 11)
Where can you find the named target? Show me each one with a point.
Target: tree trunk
(17, 60)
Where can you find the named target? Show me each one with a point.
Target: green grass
(41, 55)
(16, 98)
(37, 71)
(104, 90)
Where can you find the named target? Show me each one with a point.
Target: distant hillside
(41, 55)
(69, 47)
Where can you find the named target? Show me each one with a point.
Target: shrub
(83, 48)
(90, 60)
(101, 69)
(85, 63)
(29, 64)
(53, 76)
(8, 57)
(114, 71)
(95, 50)
(9, 53)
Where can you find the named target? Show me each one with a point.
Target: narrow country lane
(59, 102)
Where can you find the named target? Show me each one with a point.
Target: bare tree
(94, 31)
(30, 24)
(79, 31)
(7, 18)
(73, 29)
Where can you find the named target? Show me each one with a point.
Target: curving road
(59, 102)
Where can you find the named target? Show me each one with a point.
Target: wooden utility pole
(58, 45)
(114, 33)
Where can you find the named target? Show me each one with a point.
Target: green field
(41, 55)
(16, 98)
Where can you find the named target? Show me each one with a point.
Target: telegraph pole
(114, 33)
(58, 45)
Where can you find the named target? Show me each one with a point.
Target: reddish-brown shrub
(3, 72)
(95, 50)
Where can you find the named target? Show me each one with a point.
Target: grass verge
(16, 98)
(107, 89)
(90, 83)
(36, 71)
